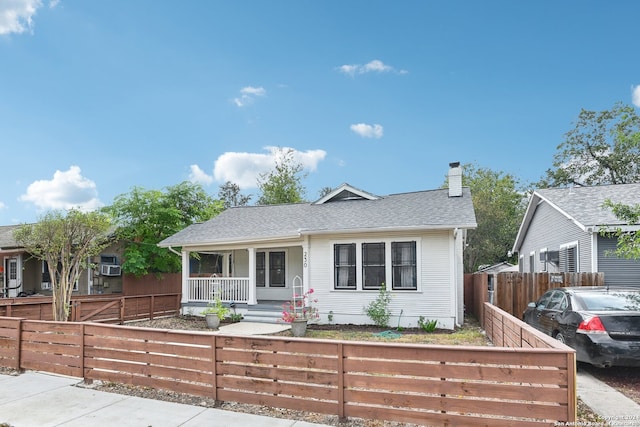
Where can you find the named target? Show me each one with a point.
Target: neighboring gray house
(22, 275)
(561, 228)
(344, 246)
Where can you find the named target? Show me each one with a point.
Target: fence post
(152, 307)
(19, 346)
(340, 369)
(122, 302)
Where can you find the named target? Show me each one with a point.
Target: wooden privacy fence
(94, 308)
(424, 384)
(512, 291)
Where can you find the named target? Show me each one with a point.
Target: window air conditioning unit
(110, 270)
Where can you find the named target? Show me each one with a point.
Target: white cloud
(2, 206)
(244, 169)
(375, 66)
(16, 16)
(248, 95)
(635, 95)
(66, 190)
(199, 176)
(368, 131)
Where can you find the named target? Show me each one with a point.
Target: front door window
(270, 269)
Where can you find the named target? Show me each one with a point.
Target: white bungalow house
(344, 246)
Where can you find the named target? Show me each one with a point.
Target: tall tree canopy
(145, 217)
(65, 242)
(499, 203)
(603, 148)
(283, 184)
(628, 241)
(230, 195)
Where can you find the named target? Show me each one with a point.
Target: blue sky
(97, 97)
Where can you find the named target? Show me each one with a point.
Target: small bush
(378, 310)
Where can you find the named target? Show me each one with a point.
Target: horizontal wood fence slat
(529, 380)
(96, 308)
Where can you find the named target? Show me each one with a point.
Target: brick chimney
(455, 180)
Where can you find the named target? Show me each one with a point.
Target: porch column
(305, 264)
(253, 299)
(185, 277)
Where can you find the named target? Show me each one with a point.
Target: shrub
(378, 310)
(427, 325)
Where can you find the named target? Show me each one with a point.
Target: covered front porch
(244, 276)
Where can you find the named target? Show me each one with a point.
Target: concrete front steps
(264, 312)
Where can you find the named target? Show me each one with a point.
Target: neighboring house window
(532, 262)
(345, 265)
(543, 258)
(569, 258)
(271, 269)
(404, 262)
(373, 266)
(46, 278)
(109, 259)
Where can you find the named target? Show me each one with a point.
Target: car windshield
(615, 301)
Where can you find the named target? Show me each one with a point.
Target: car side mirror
(531, 305)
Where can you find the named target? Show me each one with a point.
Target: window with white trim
(543, 258)
(532, 262)
(344, 259)
(367, 265)
(373, 265)
(404, 266)
(569, 258)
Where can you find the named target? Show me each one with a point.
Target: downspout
(174, 251)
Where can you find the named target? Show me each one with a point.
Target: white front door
(12, 277)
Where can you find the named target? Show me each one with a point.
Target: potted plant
(299, 311)
(214, 313)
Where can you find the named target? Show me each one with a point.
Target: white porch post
(305, 264)
(253, 299)
(185, 277)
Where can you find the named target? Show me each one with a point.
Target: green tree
(230, 195)
(145, 217)
(324, 191)
(602, 148)
(499, 203)
(284, 183)
(65, 242)
(628, 241)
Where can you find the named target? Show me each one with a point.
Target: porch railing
(205, 289)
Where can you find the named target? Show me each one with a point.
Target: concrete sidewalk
(42, 400)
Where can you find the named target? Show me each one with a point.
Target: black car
(602, 324)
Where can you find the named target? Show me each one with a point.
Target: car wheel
(560, 338)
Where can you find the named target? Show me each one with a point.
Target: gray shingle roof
(584, 204)
(425, 209)
(6, 237)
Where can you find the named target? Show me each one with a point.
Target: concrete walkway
(35, 399)
(610, 404)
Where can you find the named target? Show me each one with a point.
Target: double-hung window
(345, 266)
(404, 265)
(373, 265)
